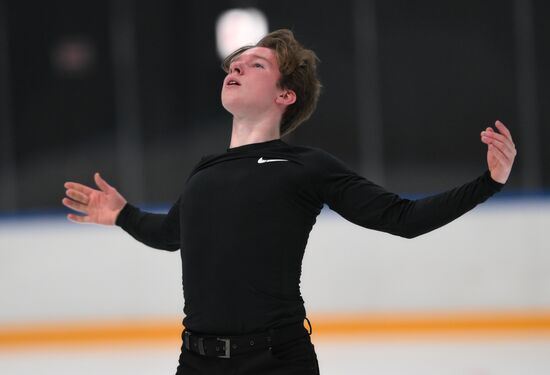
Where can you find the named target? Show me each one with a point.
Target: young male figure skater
(245, 214)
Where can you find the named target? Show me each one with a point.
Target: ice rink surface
(356, 357)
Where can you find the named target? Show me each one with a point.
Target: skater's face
(251, 84)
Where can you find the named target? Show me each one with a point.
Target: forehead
(263, 52)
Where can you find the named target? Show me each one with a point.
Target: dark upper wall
(446, 70)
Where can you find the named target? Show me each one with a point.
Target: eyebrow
(253, 55)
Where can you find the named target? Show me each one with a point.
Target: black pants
(295, 356)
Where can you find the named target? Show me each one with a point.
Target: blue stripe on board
(61, 213)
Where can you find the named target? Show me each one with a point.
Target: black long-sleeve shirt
(244, 218)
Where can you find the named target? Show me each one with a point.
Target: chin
(227, 105)
(231, 104)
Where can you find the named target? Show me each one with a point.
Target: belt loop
(186, 340)
(201, 346)
(309, 324)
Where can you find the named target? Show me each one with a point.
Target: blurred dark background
(132, 89)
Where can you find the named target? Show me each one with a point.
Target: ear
(286, 97)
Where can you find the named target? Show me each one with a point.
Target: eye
(258, 65)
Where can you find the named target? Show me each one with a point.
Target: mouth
(233, 82)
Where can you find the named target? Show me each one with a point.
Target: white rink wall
(496, 257)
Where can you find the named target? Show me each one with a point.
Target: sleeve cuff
(125, 214)
(493, 185)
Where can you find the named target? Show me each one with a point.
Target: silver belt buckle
(227, 347)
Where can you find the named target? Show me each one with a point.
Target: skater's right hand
(99, 206)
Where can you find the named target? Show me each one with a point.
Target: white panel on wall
(495, 257)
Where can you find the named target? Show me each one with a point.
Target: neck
(246, 131)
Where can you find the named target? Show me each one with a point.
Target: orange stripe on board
(470, 324)
(363, 326)
(154, 331)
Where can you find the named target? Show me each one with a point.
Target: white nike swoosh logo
(262, 160)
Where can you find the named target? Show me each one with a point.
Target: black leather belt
(229, 346)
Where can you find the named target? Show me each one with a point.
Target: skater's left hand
(501, 151)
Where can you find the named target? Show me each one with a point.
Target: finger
(77, 196)
(76, 186)
(75, 205)
(503, 147)
(491, 133)
(500, 142)
(509, 153)
(499, 137)
(499, 155)
(503, 129)
(101, 183)
(78, 218)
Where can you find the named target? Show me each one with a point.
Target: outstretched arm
(371, 206)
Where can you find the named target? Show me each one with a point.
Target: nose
(235, 67)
